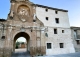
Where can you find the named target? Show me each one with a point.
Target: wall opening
(21, 42)
(21, 45)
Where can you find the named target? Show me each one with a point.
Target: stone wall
(5, 52)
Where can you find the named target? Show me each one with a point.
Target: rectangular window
(55, 31)
(46, 34)
(48, 45)
(46, 10)
(62, 31)
(75, 34)
(56, 12)
(47, 18)
(61, 45)
(57, 20)
(78, 41)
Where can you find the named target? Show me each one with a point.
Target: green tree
(17, 44)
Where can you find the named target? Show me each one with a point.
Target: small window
(56, 12)
(46, 34)
(78, 41)
(46, 18)
(75, 33)
(57, 20)
(46, 10)
(34, 20)
(62, 31)
(61, 45)
(48, 45)
(3, 37)
(55, 31)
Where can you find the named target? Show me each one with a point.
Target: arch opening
(21, 42)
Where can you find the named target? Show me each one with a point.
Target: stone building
(76, 38)
(46, 29)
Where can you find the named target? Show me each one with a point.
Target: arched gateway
(26, 36)
(22, 22)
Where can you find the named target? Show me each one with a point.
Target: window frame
(56, 12)
(49, 47)
(57, 20)
(62, 31)
(46, 9)
(47, 18)
(61, 45)
(78, 42)
(55, 31)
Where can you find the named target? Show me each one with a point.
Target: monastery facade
(46, 29)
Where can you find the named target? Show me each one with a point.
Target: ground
(77, 54)
(22, 53)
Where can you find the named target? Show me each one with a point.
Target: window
(62, 31)
(55, 31)
(46, 34)
(3, 37)
(46, 10)
(61, 45)
(48, 45)
(57, 20)
(34, 20)
(78, 41)
(75, 33)
(46, 18)
(56, 12)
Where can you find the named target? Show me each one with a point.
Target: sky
(73, 7)
(21, 39)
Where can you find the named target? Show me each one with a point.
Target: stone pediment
(21, 10)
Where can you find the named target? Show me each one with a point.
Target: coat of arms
(23, 13)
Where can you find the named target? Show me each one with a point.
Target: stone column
(43, 43)
(38, 42)
(33, 43)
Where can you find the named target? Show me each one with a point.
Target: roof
(51, 8)
(75, 28)
(2, 20)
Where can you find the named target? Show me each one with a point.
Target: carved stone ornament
(11, 14)
(23, 13)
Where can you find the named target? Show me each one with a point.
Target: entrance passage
(21, 42)
(21, 45)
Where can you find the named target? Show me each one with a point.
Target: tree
(17, 44)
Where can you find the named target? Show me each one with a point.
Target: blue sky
(73, 7)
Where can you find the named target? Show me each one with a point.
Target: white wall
(60, 37)
(55, 39)
(63, 17)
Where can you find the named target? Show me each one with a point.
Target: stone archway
(22, 34)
